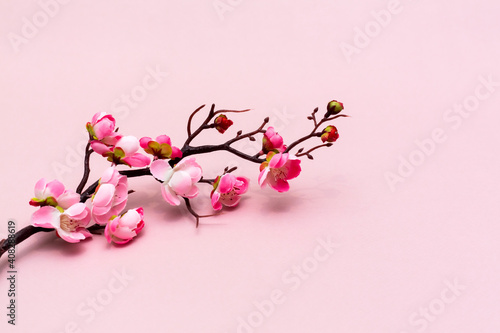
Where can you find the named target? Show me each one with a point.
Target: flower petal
(279, 185)
(263, 177)
(137, 160)
(77, 211)
(100, 147)
(68, 199)
(129, 144)
(46, 217)
(54, 189)
(180, 182)
(215, 201)
(170, 196)
(226, 183)
(40, 188)
(278, 160)
(241, 185)
(230, 201)
(159, 169)
(104, 195)
(164, 139)
(293, 168)
(144, 142)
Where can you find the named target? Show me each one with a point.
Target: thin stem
(313, 132)
(212, 148)
(230, 111)
(201, 128)
(86, 169)
(211, 114)
(307, 137)
(191, 119)
(212, 180)
(195, 214)
(250, 134)
(307, 153)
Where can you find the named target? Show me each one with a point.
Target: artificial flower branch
(76, 215)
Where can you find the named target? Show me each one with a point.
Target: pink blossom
(161, 148)
(121, 229)
(110, 197)
(102, 128)
(70, 224)
(272, 141)
(123, 152)
(53, 194)
(277, 170)
(227, 190)
(179, 181)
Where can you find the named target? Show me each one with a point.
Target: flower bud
(121, 229)
(330, 134)
(272, 141)
(222, 123)
(333, 108)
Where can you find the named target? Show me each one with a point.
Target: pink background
(399, 248)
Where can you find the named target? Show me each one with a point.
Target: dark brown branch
(195, 214)
(191, 119)
(20, 236)
(201, 128)
(86, 169)
(212, 148)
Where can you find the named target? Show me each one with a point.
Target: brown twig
(86, 169)
(313, 132)
(195, 214)
(308, 153)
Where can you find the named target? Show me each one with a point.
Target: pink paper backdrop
(395, 229)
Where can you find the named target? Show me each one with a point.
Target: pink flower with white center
(161, 148)
(53, 194)
(227, 190)
(121, 229)
(277, 170)
(70, 224)
(123, 152)
(272, 141)
(102, 128)
(179, 181)
(110, 197)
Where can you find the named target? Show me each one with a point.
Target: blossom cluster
(74, 215)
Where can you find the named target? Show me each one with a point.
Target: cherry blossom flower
(161, 148)
(102, 128)
(222, 123)
(121, 229)
(179, 181)
(53, 194)
(70, 224)
(272, 141)
(110, 197)
(277, 170)
(330, 134)
(227, 190)
(123, 152)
